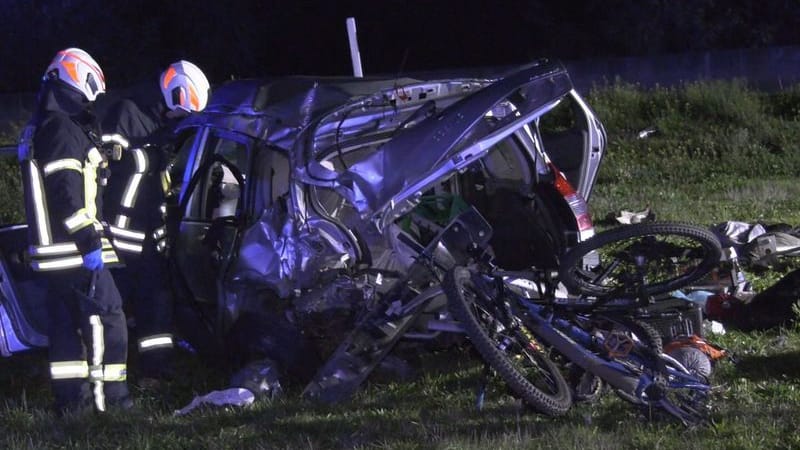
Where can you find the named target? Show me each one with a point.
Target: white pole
(355, 56)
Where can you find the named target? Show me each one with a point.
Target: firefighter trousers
(88, 340)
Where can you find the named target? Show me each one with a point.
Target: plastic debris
(629, 217)
(647, 132)
(226, 397)
(699, 297)
(714, 327)
(259, 377)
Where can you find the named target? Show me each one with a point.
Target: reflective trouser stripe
(98, 349)
(65, 370)
(155, 341)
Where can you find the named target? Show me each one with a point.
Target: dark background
(134, 40)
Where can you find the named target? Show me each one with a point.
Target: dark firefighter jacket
(61, 163)
(139, 180)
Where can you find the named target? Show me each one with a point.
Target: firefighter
(62, 169)
(135, 199)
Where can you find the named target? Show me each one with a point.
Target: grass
(722, 152)
(757, 406)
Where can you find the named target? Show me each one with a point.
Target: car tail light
(576, 203)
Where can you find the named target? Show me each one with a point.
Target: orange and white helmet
(78, 70)
(184, 87)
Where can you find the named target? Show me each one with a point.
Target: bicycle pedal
(618, 344)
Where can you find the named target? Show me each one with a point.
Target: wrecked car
(313, 218)
(310, 204)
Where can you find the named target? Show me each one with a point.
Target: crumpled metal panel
(273, 112)
(371, 183)
(275, 253)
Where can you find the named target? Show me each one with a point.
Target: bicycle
(599, 333)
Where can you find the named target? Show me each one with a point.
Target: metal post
(355, 56)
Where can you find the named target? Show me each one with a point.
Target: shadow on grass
(778, 366)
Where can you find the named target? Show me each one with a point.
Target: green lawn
(756, 405)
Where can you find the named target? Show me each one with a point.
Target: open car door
(211, 206)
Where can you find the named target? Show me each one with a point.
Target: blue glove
(93, 260)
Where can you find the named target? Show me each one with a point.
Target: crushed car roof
(276, 110)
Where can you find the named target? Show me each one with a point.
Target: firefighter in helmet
(135, 199)
(63, 169)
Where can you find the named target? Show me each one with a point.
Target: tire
(641, 259)
(504, 344)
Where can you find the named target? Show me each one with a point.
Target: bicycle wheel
(641, 259)
(505, 344)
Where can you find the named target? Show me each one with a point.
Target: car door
(211, 203)
(23, 295)
(575, 140)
